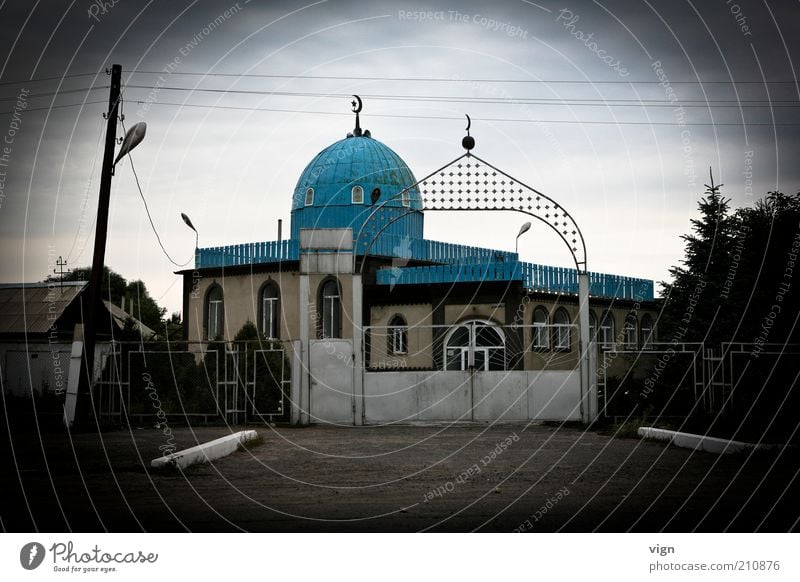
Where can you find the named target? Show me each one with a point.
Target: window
(331, 303)
(631, 331)
(607, 330)
(646, 331)
(310, 197)
(405, 197)
(484, 340)
(215, 311)
(270, 306)
(357, 195)
(561, 329)
(540, 339)
(398, 335)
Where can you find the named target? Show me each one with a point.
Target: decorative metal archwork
(471, 183)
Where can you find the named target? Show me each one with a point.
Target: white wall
(489, 396)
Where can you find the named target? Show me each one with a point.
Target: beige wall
(241, 296)
(495, 312)
(420, 337)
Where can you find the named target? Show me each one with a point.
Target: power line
(56, 106)
(498, 101)
(450, 118)
(57, 93)
(39, 79)
(147, 210)
(459, 80)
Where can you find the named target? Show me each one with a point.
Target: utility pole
(92, 308)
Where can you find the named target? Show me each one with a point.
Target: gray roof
(32, 308)
(35, 307)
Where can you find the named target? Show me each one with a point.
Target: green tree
(694, 300)
(113, 284)
(143, 307)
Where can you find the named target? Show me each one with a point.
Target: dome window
(357, 195)
(406, 198)
(310, 197)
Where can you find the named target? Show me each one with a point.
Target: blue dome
(355, 161)
(359, 183)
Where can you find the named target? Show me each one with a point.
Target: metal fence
(235, 382)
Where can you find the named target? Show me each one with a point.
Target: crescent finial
(469, 123)
(357, 104)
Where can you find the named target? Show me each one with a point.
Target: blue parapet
(533, 276)
(247, 254)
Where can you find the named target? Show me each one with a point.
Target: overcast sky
(631, 175)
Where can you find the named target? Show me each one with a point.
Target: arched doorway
(484, 341)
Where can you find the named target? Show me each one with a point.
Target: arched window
(631, 331)
(405, 198)
(398, 335)
(330, 302)
(215, 313)
(541, 340)
(561, 329)
(310, 197)
(357, 195)
(483, 339)
(592, 326)
(270, 310)
(607, 330)
(646, 331)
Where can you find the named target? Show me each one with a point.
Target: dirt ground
(504, 477)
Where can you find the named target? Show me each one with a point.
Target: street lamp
(522, 230)
(188, 222)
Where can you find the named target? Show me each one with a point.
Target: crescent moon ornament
(468, 142)
(357, 104)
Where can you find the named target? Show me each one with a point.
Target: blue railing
(385, 246)
(534, 277)
(247, 254)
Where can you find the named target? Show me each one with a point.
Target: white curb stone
(700, 442)
(205, 452)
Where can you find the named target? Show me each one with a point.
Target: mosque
(382, 324)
